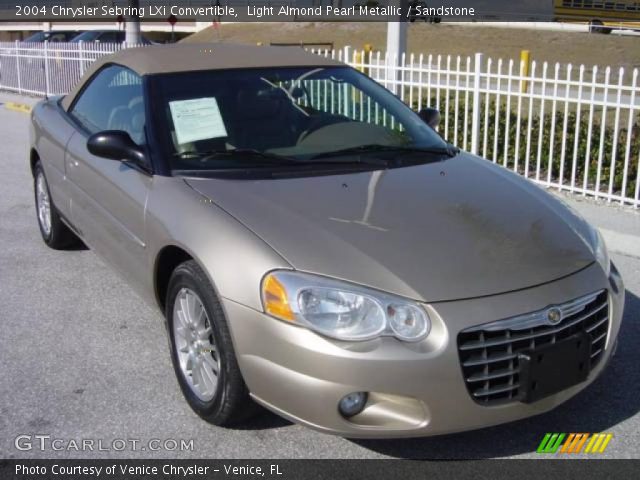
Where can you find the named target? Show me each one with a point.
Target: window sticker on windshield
(197, 119)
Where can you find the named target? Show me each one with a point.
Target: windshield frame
(165, 147)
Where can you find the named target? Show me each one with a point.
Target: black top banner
(280, 10)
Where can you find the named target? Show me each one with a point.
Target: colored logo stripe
(550, 443)
(575, 442)
(598, 443)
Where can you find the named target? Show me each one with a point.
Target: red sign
(172, 20)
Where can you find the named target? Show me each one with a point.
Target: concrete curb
(18, 107)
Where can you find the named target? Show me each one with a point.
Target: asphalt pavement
(82, 358)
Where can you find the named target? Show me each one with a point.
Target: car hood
(460, 228)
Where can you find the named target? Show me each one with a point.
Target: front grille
(489, 352)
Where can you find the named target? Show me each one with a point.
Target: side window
(112, 101)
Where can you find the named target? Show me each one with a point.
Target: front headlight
(600, 251)
(342, 310)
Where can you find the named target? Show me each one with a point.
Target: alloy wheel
(194, 345)
(43, 204)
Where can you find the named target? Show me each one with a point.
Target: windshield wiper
(352, 154)
(274, 159)
(449, 150)
(240, 152)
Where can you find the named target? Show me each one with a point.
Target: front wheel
(202, 352)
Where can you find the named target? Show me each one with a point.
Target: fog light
(352, 404)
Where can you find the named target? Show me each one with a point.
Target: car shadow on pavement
(262, 420)
(611, 399)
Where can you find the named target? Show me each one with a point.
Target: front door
(108, 197)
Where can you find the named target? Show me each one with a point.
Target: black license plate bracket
(554, 367)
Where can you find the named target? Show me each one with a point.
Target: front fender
(234, 258)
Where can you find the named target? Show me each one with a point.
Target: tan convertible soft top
(189, 57)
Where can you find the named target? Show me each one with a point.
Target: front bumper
(414, 389)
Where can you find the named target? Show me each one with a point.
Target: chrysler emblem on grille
(554, 316)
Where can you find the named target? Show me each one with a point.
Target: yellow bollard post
(525, 61)
(368, 51)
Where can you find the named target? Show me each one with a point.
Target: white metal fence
(47, 68)
(574, 128)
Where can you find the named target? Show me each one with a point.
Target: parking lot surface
(83, 358)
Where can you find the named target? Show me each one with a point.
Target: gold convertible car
(316, 247)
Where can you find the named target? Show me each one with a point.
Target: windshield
(55, 36)
(236, 118)
(88, 36)
(36, 37)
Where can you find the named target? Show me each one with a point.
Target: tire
(206, 347)
(596, 26)
(53, 230)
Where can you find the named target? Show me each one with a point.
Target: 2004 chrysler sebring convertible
(316, 246)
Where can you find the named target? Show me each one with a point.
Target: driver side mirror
(115, 145)
(430, 116)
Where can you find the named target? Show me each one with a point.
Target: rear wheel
(202, 353)
(596, 26)
(54, 232)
